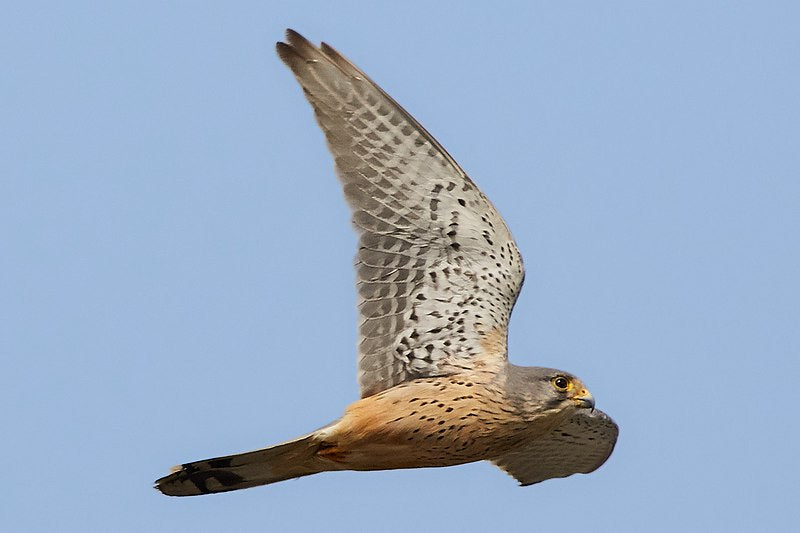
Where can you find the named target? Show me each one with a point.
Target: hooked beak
(584, 399)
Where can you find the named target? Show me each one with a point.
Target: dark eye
(561, 383)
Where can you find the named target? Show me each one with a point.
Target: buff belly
(429, 422)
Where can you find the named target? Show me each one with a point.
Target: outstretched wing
(578, 446)
(437, 269)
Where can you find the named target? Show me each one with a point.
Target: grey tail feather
(289, 460)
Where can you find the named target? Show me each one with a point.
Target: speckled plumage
(438, 274)
(437, 268)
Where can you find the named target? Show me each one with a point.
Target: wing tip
(296, 50)
(284, 51)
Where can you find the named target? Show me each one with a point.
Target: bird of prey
(438, 273)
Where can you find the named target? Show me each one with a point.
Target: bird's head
(540, 390)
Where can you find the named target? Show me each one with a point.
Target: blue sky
(176, 271)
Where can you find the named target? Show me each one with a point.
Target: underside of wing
(437, 269)
(578, 446)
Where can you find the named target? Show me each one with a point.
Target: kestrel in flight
(438, 273)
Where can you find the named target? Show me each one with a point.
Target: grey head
(539, 390)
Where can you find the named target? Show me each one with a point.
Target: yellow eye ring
(561, 383)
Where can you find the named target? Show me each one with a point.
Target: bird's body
(434, 422)
(437, 276)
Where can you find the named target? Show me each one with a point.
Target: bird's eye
(560, 382)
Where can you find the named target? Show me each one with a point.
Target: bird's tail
(291, 459)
